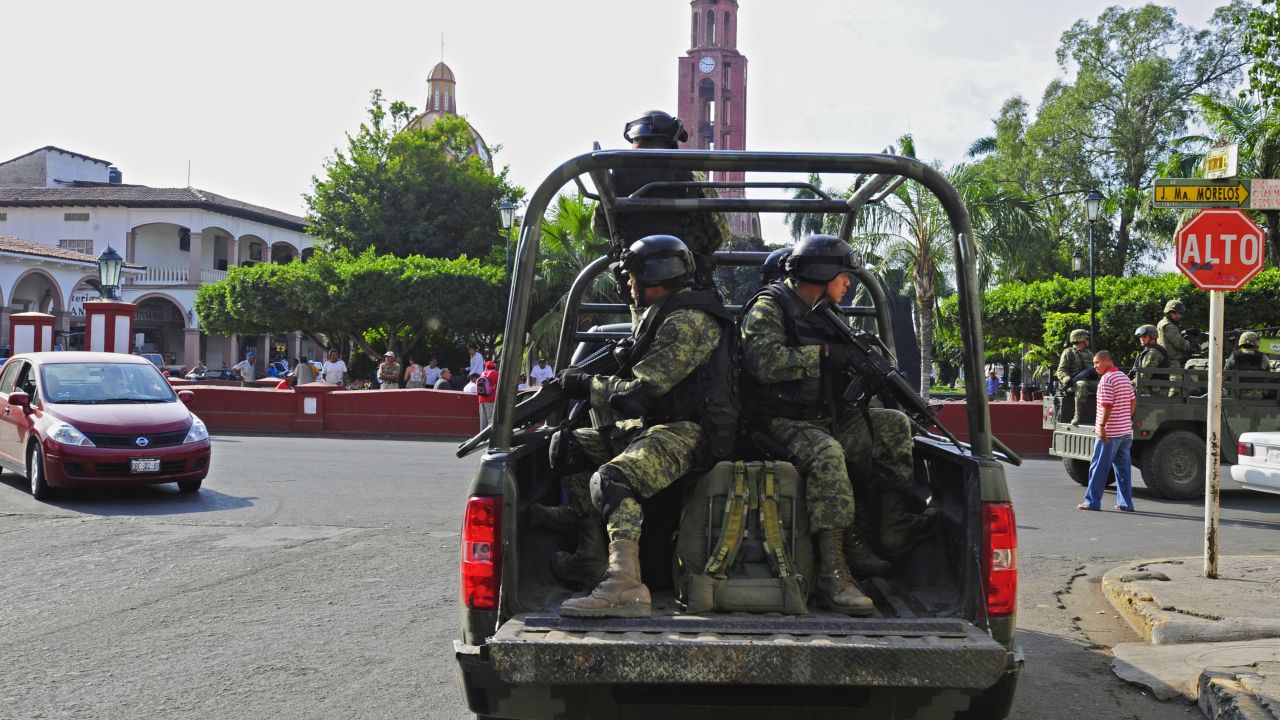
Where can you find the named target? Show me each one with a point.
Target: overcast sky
(255, 95)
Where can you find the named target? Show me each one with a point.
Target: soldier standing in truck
(1170, 333)
(1076, 358)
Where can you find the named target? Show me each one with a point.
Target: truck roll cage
(879, 175)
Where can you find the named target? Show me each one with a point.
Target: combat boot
(900, 529)
(862, 560)
(583, 568)
(621, 595)
(836, 589)
(561, 518)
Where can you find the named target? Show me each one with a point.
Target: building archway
(283, 252)
(160, 324)
(36, 291)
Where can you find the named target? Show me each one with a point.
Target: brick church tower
(713, 94)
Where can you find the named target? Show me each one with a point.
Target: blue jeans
(1113, 452)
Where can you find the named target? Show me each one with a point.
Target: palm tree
(567, 246)
(910, 230)
(802, 225)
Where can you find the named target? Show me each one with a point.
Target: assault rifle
(549, 398)
(874, 374)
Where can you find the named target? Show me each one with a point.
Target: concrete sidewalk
(1216, 642)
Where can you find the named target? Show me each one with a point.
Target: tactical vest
(695, 229)
(807, 398)
(709, 394)
(1249, 360)
(1158, 350)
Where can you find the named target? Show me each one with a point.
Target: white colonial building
(173, 240)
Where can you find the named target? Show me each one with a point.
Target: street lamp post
(507, 213)
(109, 263)
(1091, 205)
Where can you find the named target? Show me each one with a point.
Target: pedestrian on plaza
(477, 361)
(199, 372)
(1114, 430)
(993, 385)
(487, 393)
(415, 376)
(472, 383)
(521, 384)
(444, 381)
(334, 370)
(541, 372)
(304, 372)
(433, 373)
(246, 370)
(389, 372)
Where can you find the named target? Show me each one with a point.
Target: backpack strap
(733, 525)
(771, 523)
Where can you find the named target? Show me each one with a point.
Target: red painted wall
(1017, 424)
(372, 412)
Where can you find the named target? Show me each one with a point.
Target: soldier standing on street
(702, 232)
(796, 373)
(674, 391)
(1170, 334)
(1077, 358)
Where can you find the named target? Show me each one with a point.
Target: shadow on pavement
(162, 499)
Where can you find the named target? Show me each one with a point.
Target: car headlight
(68, 435)
(197, 432)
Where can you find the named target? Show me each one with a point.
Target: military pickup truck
(941, 642)
(1169, 425)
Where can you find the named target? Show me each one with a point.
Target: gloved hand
(575, 383)
(835, 357)
(633, 403)
(622, 351)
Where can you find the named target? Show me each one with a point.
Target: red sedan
(89, 419)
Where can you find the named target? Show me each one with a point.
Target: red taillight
(1244, 449)
(1000, 558)
(482, 552)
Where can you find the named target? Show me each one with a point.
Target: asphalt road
(316, 578)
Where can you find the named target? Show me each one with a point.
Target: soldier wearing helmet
(772, 269)
(703, 232)
(1247, 357)
(1075, 371)
(1151, 355)
(1169, 333)
(675, 392)
(795, 373)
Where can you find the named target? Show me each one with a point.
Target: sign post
(1219, 250)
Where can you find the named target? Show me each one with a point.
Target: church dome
(441, 72)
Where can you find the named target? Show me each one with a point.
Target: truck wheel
(1174, 468)
(1079, 471)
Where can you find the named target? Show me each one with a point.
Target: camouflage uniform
(1248, 359)
(1072, 362)
(825, 450)
(1170, 338)
(650, 458)
(703, 232)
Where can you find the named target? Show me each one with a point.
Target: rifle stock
(549, 399)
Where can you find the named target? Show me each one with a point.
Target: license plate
(144, 465)
(1273, 456)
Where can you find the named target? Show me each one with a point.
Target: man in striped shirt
(1114, 428)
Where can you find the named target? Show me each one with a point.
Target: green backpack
(744, 542)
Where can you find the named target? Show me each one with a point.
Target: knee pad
(566, 455)
(608, 489)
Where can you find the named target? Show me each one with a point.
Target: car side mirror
(186, 396)
(21, 399)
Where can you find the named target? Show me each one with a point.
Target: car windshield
(94, 383)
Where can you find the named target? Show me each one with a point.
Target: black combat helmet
(819, 258)
(656, 124)
(659, 260)
(772, 271)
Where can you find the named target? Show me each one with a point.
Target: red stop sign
(1220, 249)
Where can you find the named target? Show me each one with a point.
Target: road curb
(1226, 696)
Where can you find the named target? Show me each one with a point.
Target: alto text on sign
(1220, 249)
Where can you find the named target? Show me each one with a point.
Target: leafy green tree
(1261, 43)
(362, 299)
(408, 192)
(801, 225)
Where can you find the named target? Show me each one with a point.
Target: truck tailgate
(747, 649)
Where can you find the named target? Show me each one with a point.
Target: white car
(1259, 466)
